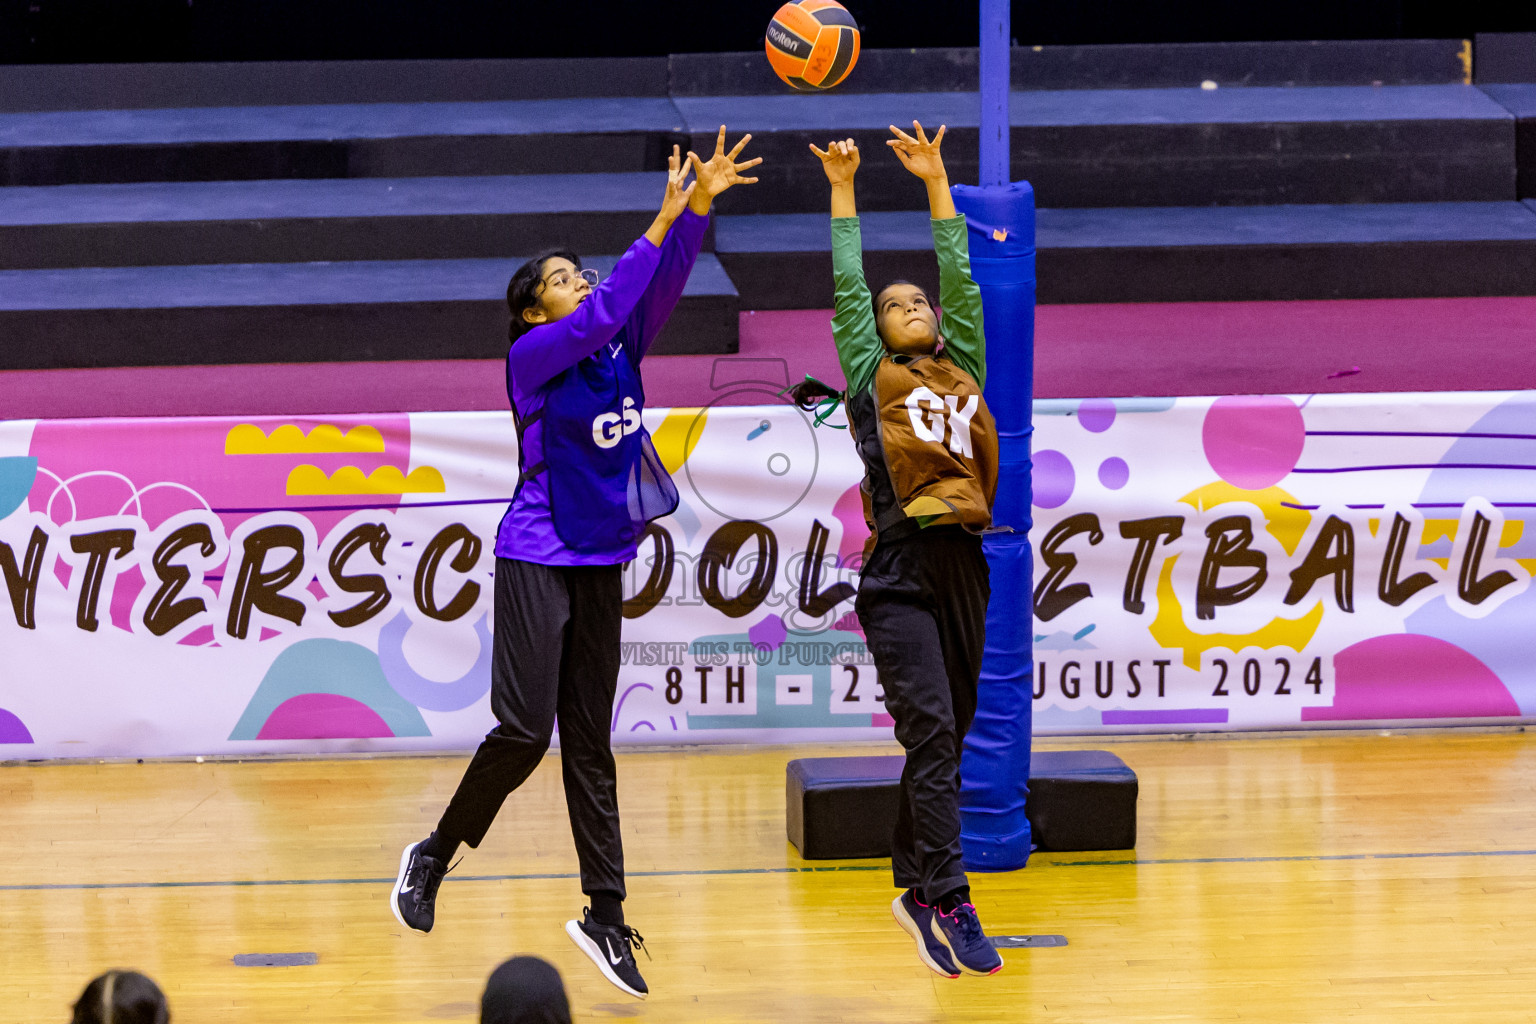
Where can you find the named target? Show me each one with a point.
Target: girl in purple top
(589, 483)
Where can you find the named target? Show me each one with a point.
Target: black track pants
(923, 605)
(556, 654)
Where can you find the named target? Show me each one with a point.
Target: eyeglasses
(563, 278)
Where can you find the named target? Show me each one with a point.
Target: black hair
(121, 997)
(523, 289)
(810, 393)
(525, 990)
(875, 298)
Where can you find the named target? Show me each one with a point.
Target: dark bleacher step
(1520, 100)
(348, 140)
(1103, 66)
(299, 221)
(1144, 147)
(1504, 57)
(1174, 254)
(246, 83)
(298, 313)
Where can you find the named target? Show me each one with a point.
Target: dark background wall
(68, 31)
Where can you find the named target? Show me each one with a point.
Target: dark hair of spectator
(523, 290)
(121, 997)
(525, 990)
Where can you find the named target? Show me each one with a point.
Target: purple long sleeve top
(629, 308)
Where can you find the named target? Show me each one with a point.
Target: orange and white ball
(812, 44)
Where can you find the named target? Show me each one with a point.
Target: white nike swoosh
(611, 958)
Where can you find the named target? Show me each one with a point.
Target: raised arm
(720, 172)
(964, 337)
(550, 348)
(853, 318)
(680, 250)
(921, 156)
(963, 326)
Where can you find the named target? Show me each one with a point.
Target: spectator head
(121, 997)
(525, 990)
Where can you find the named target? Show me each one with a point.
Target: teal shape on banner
(17, 475)
(327, 689)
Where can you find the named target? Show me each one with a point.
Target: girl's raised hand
(839, 160)
(919, 155)
(676, 199)
(721, 170)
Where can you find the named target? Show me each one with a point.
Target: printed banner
(268, 585)
(1275, 562)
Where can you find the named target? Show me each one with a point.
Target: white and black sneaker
(611, 947)
(414, 899)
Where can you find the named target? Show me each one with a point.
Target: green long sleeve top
(859, 348)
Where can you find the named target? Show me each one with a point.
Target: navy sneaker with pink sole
(960, 931)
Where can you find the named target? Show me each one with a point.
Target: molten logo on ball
(812, 44)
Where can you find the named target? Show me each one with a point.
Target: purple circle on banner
(1096, 414)
(1253, 441)
(1052, 478)
(769, 633)
(1113, 473)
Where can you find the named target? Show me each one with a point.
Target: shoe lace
(634, 940)
(968, 924)
(426, 880)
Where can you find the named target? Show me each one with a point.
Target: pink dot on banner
(1113, 473)
(12, 730)
(1096, 414)
(1253, 441)
(323, 716)
(769, 633)
(1407, 675)
(1052, 479)
(849, 510)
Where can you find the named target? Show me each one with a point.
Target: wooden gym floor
(1322, 878)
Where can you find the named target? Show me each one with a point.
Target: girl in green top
(901, 319)
(929, 449)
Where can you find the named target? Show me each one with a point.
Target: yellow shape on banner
(1286, 525)
(288, 439)
(1441, 529)
(1438, 529)
(1374, 524)
(678, 435)
(1528, 564)
(1514, 529)
(1169, 630)
(311, 480)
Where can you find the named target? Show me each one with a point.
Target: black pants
(556, 654)
(923, 605)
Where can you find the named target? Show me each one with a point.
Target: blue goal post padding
(995, 833)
